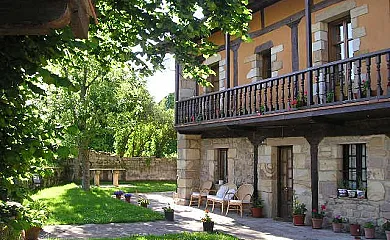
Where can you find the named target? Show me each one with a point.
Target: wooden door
(285, 183)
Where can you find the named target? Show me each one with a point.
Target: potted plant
(169, 213)
(342, 188)
(128, 197)
(317, 217)
(208, 223)
(257, 208)
(386, 228)
(354, 229)
(369, 230)
(36, 215)
(118, 194)
(337, 223)
(143, 202)
(299, 210)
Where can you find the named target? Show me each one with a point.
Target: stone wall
(377, 205)
(268, 157)
(240, 159)
(141, 168)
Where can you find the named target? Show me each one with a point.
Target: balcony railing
(341, 82)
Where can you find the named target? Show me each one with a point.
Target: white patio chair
(224, 193)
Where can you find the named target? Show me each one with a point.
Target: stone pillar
(188, 166)
(96, 178)
(115, 178)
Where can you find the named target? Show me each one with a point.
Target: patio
(188, 219)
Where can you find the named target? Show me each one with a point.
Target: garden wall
(137, 168)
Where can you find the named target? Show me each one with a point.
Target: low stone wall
(139, 168)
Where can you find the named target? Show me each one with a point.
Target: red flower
(323, 207)
(314, 210)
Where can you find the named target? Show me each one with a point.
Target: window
(222, 164)
(214, 79)
(265, 64)
(340, 39)
(355, 169)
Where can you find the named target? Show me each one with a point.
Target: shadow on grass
(75, 206)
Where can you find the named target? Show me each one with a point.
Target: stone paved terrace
(188, 219)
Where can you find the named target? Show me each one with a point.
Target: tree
(137, 32)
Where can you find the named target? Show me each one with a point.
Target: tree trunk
(83, 141)
(84, 158)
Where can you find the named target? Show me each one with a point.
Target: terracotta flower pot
(299, 220)
(257, 212)
(208, 226)
(118, 196)
(337, 227)
(127, 199)
(369, 232)
(354, 229)
(33, 233)
(316, 223)
(388, 235)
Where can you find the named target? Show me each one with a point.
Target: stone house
(301, 108)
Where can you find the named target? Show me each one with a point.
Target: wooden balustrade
(341, 82)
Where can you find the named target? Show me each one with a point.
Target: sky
(163, 82)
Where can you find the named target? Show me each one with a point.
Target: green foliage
(369, 225)
(138, 34)
(37, 213)
(69, 204)
(298, 207)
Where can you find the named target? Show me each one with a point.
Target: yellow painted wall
(376, 22)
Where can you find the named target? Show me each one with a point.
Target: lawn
(69, 204)
(183, 236)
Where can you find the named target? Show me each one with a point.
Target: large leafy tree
(138, 33)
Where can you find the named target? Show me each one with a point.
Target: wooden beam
(79, 19)
(294, 45)
(314, 140)
(227, 50)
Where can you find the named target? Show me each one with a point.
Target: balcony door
(285, 183)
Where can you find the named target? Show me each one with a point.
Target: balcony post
(314, 141)
(309, 52)
(177, 74)
(227, 49)
(256, 141)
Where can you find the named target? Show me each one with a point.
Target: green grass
(69, 204)
(183, 236)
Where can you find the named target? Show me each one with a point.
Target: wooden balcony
(337, 91)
